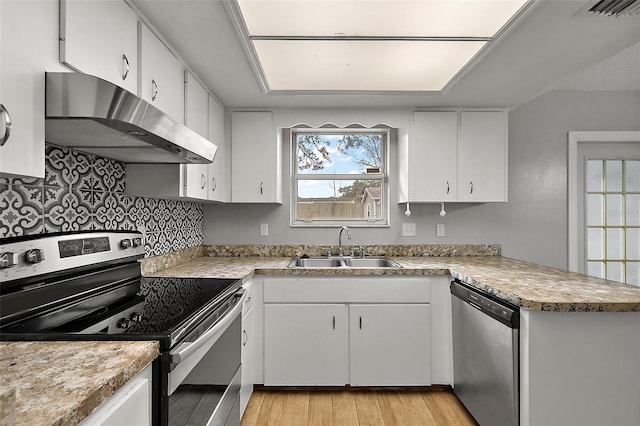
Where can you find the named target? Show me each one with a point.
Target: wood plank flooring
(355, 408)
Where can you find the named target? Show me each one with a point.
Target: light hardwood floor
(355, 408)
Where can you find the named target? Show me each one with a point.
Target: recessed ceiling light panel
(362, 65)
(367, 45)
(398, 18)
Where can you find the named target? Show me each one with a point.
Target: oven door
(204, 381)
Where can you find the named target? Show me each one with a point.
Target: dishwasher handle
(507, 313)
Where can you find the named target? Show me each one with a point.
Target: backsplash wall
(85, 192)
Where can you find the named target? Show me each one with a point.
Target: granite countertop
(60, 383)
(525, 284)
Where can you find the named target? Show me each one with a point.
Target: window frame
(383, 222)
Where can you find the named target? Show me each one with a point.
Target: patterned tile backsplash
(85, 192)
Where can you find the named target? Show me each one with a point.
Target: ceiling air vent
(613, 8)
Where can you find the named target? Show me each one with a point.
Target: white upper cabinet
(256, 175)
(433, 155)
(482, 157)
(180, 181)
(195, 176)
(455, 156)
(100, 37)
(218, 185)
(28, 48)
(161, 75)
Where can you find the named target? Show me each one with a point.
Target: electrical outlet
(264, 229)
(440, 230)
(408, 229)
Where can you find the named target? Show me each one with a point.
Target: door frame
(574, 138)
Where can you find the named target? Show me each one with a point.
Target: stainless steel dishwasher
(485, 355)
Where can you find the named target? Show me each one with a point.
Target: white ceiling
(539, 53)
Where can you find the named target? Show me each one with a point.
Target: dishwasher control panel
(502, 311)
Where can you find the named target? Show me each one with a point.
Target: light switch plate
(408, 229)
(264, 229)
(440, 230)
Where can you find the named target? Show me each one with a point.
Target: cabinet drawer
(249, 301)
(346, 290)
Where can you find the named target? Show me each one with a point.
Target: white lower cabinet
(306, 344)
(362, 331)
(251, 353)
(130, 405)
(389, 345)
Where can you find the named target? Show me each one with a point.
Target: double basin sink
(343, 262)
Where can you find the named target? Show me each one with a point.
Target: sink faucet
(340, 250)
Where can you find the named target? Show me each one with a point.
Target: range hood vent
(615, 7)
(92, 115)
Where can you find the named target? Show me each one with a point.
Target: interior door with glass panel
(611, 204)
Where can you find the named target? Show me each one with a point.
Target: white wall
(531, 226)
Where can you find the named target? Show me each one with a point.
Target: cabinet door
(305, 345)
(28, 48)
(218, 172)
(482, 165)
(434, 156)
(161, 76)
(389, 345)
(100, 37)
(255, 158)
(248, 357)
(130, 405)
(196, 116)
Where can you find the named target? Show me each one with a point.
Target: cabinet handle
(204, 181)
(125, 66)
(246, 337)
(360, 322)
(247, 300)
(471, 189)
(447, 187)
(213, 184)
(154, 90)
(261, 188)
(7, 125)
(334, 322)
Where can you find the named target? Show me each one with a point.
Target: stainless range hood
(92, 115)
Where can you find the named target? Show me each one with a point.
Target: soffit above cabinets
(386, 46)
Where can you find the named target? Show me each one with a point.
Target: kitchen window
(339, 177)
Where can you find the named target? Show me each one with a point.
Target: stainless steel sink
(317, 262)
(342, 262)
(372, 262)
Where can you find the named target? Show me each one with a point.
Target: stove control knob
(125, 244)
(137, 242)
(123, 323)
(135, 316)
(8, 259)
(34, 256)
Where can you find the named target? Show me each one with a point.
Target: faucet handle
(329, 252)
(362, 253)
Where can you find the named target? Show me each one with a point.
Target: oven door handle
(183, 351)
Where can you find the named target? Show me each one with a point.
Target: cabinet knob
(125, 66)
(7, 124)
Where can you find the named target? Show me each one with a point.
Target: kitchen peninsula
(579, 336)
